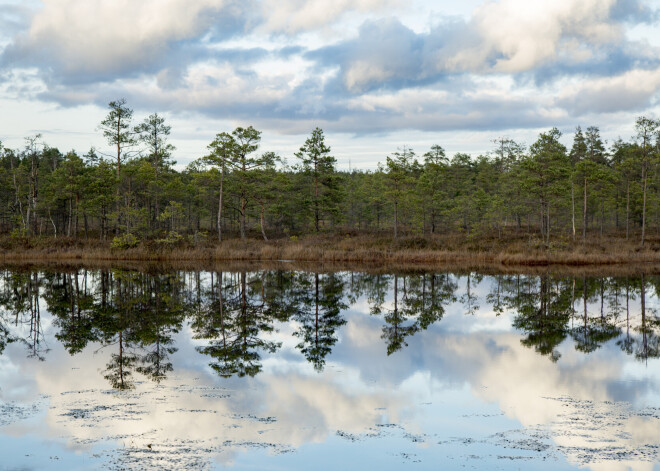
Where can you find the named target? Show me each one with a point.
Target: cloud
(634, 11)
(507, 37)
(295, 16)
(633, 90)
(523, 34)
(384, 50)
(278, 64)
(204, 87)
(103, 39)
(100, 39)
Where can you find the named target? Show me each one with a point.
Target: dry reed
(366, 250)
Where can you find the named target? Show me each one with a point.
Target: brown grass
(373, 251)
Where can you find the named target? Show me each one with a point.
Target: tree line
(134, 193)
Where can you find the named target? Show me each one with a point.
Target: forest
(132, 193)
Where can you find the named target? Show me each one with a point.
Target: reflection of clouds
(362, 335)
(519, 380)
(554, 397)
(194, 417)
(570, 398)
(320, 404)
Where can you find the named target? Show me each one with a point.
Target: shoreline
(412, 253)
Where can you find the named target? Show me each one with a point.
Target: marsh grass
(517, 250)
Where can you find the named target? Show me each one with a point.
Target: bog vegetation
(132, 193)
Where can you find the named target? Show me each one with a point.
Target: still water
(276, 369)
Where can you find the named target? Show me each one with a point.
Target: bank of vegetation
(546, 203)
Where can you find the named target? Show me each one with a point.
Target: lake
(285, 369)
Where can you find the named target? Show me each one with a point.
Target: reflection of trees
(396, 329)
(118, 320)
(5, 337)
(495, 295)
(647, 344)
(234, 333)
(161, 315)
(543, 307)
(140, 316)
(546, 305)
(282, 291)
(19, 301)
(590, 310)
(373, 287)
(417, 302)
(8, 306)
(591, 332)
(469, 299)
(626, 343)
(321, 316)
(74, 308)
(135, 316)
(136, 312)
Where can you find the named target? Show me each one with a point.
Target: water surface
(272, 369)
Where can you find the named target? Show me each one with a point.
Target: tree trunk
(644, 178)
(261, 218)
(627, 209)
(75, 221)
(547, 228)
(53, 223)
(396, 220)
(584, 213)
(68, 230)
(118, 179)
(573, 208)
(104, 223)
(316, 197)
(242, 216)
(222, 179)
(542, 220)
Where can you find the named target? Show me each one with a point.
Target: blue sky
(374, 74)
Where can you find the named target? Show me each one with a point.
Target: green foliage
(323, 193)
(19, 233)
(116, 128)
(198, 238)
(236, 189)
(173, 239)
(123, 242)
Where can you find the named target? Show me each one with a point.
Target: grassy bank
(378, 250)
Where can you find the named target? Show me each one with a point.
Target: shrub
(198, 238)
(123, 242)
(173, 238)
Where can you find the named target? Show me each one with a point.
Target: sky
(375, 75)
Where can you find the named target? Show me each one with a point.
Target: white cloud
(527, 34)
(295, 16)
(100, 36)
(631, 90)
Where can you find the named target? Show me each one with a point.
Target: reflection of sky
(465, 392)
